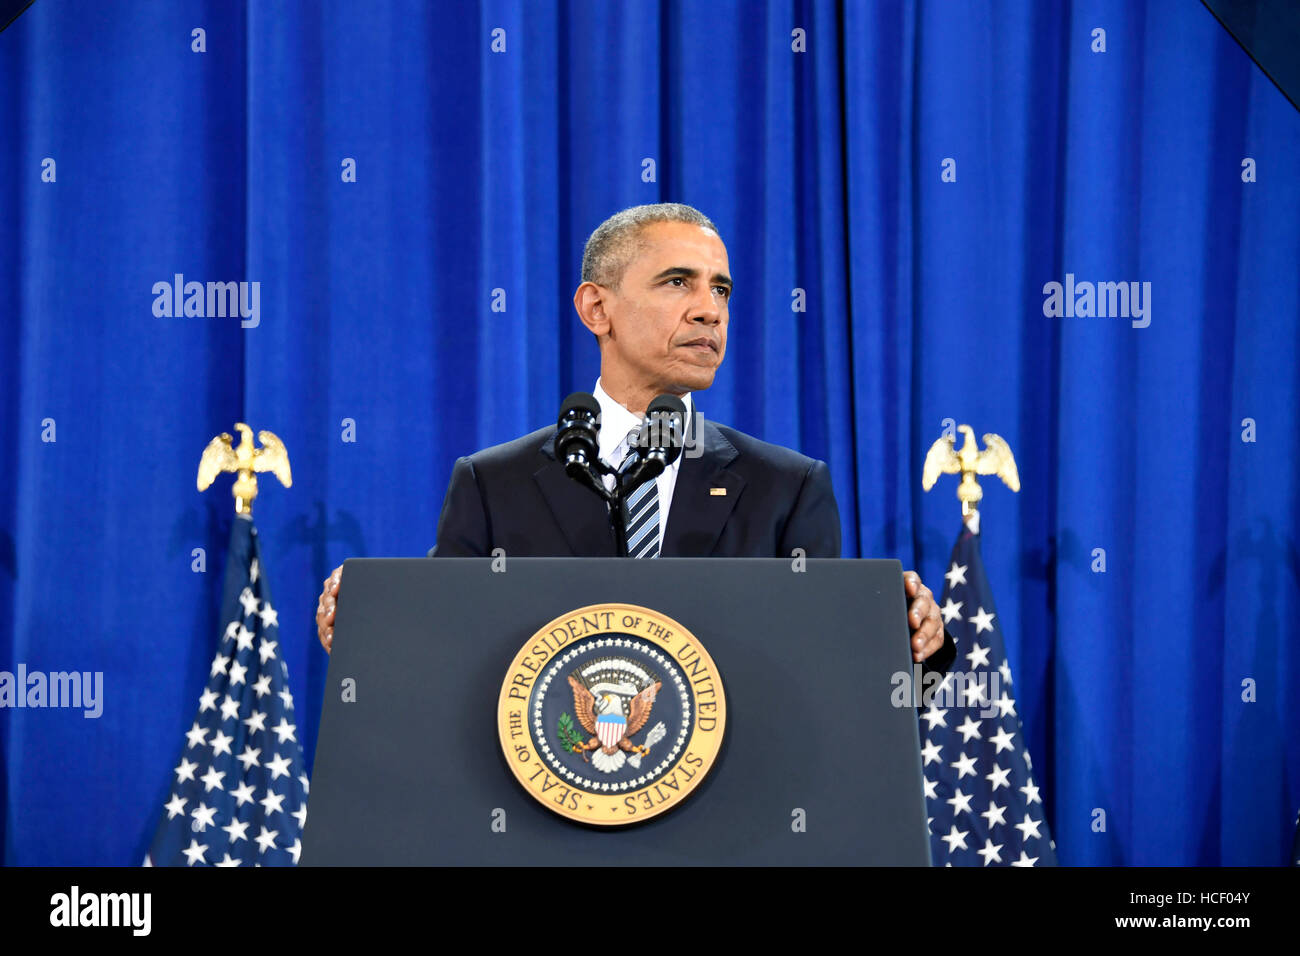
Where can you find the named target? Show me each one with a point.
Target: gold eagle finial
(969, 461)
(244, 460)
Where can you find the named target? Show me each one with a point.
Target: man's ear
(590, 301)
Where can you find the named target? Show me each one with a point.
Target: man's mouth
(702, 343)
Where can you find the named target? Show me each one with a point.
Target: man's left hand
(923, 617)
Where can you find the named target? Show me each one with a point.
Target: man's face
(667, 320)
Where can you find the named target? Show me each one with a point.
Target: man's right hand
(329, 597)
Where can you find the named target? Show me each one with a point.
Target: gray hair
(614, 243)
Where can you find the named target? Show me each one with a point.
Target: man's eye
(726, 293)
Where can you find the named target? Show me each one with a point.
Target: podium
(819, 762)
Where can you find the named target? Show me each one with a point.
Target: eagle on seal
(611, 730)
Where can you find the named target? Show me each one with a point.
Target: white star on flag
(951, 611)
(203, 817)
(935, 717)
(279, 767)
(266, 839)
(995, 814)
(221, 743)
(1029, 827)
(965, 766)
(243, 794)
(284, 730)
(229, 708)
(236, 829)
(212, 779)
(268, 616)
(195, 852)
(990, 852)
(956, 838)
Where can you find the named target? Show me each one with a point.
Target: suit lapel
(583, 518)
(699, 510)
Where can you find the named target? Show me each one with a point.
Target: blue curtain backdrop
(479, 170)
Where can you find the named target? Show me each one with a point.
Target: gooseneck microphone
(658, 444)
(660, 441)
(577, 441)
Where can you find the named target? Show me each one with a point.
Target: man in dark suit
(656, 291)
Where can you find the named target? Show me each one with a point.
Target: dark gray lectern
(818, 765)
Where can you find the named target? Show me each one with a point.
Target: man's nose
(706, 311)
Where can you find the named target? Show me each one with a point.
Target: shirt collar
(616, 421)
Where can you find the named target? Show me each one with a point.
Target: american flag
(239, 792)
(984, 808)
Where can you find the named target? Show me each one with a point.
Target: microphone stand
(618, 519)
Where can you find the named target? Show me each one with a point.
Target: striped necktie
(642, 508)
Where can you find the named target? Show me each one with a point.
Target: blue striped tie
(642, 508)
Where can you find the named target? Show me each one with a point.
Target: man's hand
(329, 597)
(923, 617)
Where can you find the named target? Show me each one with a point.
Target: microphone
(660, 441)
(577, 440)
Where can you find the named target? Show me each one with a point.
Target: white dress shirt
(615, 422)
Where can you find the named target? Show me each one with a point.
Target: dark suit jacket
(517, 497)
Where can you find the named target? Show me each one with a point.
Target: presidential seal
(611, 714)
